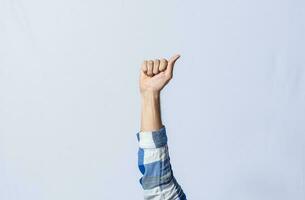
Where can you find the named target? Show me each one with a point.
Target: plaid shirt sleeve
(158, 181)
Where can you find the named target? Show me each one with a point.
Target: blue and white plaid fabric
(158, 181)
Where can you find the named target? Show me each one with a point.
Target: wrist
(150, 94)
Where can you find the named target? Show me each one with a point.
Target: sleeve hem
(152, 139)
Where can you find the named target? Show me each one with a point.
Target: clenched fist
(155, 74)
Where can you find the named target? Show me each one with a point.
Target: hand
(156, 74)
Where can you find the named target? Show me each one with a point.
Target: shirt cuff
(152, 139)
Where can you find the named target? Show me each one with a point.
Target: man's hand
(156, 74)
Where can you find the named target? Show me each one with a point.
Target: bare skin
(154, 75)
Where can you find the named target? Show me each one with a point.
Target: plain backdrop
(70, 106)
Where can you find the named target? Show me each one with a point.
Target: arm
(158, 181)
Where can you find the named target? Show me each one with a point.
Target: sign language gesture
(155, 74)
(158, 182)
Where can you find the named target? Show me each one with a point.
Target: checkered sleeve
(157, 181)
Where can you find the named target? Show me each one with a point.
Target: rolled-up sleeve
(158, 181)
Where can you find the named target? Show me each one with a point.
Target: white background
(70, 107)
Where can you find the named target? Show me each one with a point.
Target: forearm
(158, 180)
(150, 111)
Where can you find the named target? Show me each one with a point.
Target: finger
(150, 68)
(171, 64)
(163, 64)
(144, 68)
(156, 66)
(174, 58)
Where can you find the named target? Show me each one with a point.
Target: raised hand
(155, 74)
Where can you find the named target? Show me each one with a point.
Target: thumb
(171, 64)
